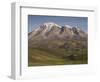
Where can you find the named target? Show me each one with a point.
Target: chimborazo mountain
(52, 44)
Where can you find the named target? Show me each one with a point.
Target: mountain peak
(50, 24)
(76, 28)
(67, 26)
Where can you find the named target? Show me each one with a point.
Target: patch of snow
(49, 26)
(68, 26)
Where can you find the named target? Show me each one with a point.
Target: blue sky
(35, 20)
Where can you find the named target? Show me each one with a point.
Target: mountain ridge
(48, 30)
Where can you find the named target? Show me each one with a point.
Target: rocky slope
(52, 30)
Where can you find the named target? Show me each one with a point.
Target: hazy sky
(35, 20)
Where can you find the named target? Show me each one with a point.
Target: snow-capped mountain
(52, 44)
(52, 30)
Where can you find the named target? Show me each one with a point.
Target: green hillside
(57, 53)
